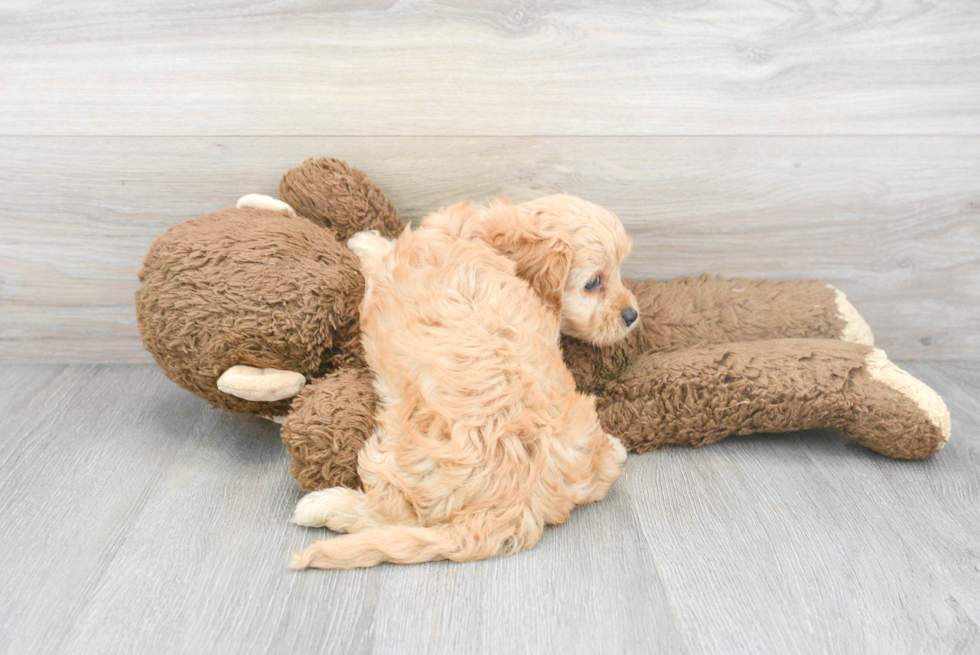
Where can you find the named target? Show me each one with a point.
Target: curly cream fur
(482, 438)
(558, 243)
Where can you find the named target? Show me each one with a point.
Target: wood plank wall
(835, 140)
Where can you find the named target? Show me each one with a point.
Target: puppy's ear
(535, 243)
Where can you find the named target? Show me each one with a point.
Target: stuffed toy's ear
(340, 198)
(535, 243)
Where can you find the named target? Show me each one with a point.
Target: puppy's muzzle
(629, 316)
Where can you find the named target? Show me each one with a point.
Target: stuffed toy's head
(262, 288)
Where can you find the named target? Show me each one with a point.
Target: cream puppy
(569, 250)
(482, 438)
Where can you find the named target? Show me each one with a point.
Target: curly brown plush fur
(778, 385)
(284, 297)
(712, 357)
(340, 198)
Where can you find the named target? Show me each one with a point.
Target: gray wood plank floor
(135, 519)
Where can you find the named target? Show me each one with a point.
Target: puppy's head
(570, 251)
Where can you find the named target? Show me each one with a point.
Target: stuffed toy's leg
(697, 396)
(691, 311)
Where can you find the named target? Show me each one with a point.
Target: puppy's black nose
(629, 316)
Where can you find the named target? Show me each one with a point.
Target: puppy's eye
(593, 284)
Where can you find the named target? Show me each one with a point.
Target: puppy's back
(470, 336)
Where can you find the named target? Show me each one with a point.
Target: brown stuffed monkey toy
(255, 309)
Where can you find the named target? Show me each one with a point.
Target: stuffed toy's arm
(697, 396)
(328, 424)
(339, 197)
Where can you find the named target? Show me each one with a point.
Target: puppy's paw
(337, 508)
(370, 245)
(619, 450)
(314, 508)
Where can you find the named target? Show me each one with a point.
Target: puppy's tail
(401, 545)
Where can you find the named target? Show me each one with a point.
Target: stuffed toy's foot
(890, 418)
(854, 329)
(260, 384)
(697, 396)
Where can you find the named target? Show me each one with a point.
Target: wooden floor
(136, 520)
